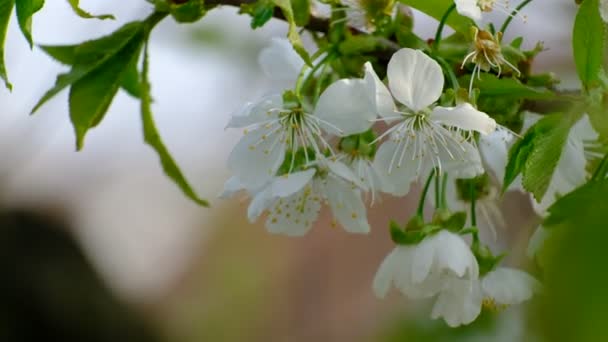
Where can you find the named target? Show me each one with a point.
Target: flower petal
(231, 187)
(414, 78)
(454, 254)
(382, 98)
(468, 8)
(260, 202)
(347, 206)
(537, 240)
(347, 106)
(385, 274)
(424, 258)
(494, 150)
(256, 158)
(464, 116)
(509, 286)
(604, 10)
(256, 112)
(295, 214)
(459, 303)
(341, 170)
(462, 160)
(396, 179)
(290, 183)
(279, 61)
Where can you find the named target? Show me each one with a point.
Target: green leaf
(84, 14)
(437, 8)
(152, 138)
(6, 9)
(301, 11)
(91, 95)
(492, 86)
(130, 81)
(292, 34)
(588, 42)
(538, 153)
(261, 12)
(25, 10)
(86, 57)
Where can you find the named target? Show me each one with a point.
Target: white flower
(294, 200)
(536, 243)
(425, 136)
(363, 14)
(460, 301)
(423, 270)
(272, 128)
(280, 62)
(474, 8)
(604, 10)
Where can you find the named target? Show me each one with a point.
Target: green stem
(504, 26)
(473, 203)
(425, 190)
(441, 26)
(437, 190)
(444, 184)
(448, 70)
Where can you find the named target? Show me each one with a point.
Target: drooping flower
(273, 127)
(293, 200)
(486, 54)
(280, 62)
(423, 270)
(474, 8)
(425, 136)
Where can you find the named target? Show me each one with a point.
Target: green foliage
(292, 34)
(261, 12)
(86, 15)
(588, 42)
(6, 9)
(491, 86)
(189, 11)
(437, 8)
(98, 69)
(25, 10)
(536, 155)
(152, 138)
(301, 11)
(575, 277)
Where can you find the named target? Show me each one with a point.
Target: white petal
(347, 206)
(459, 303)
(382, 98)
(583, 130)
(464, 116)
(231, 187)
(509, 286)
(341, 170)
(494, 149)
(260, 202)
(414, 78)
(396, 179)
(463, 161)
(468, 8)
(295, 214)
(424, 256)
(256, 112)
(346, 105)
(256, 158)
(385, 274)
(279, 61)
(290, 183)
(454, 254)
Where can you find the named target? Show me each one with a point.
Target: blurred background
(99, 246)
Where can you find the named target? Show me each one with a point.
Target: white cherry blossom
(424, 136)
(271, 129)
(293, 201)
(423, 270)
(604, 10)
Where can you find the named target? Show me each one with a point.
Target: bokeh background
(99, 246)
